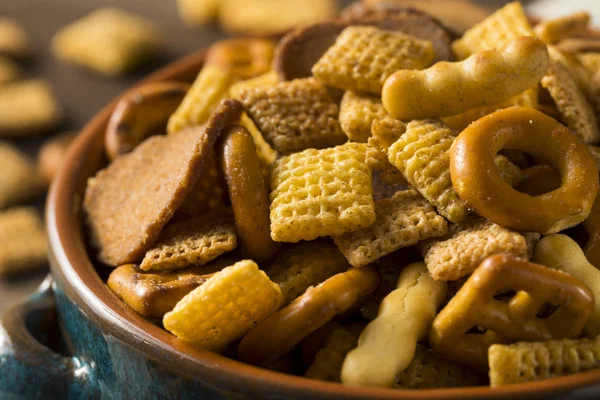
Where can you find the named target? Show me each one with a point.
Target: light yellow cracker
(467, 246)
(363, 57)
(329, 360)
(192, 242)
(565, 26)
(19, 178)
(402, 221)
(429, 371)
(572, 103)
(14, 40)
(591, 61)
(535, 361)
(357, 113)
(9, 70)
(422, 155)
(27, 108)
(295, 115)
(306, 264)
(495, 31)
(23, 241)
(459, 122)
(225, 308)
(321, 193)
(194, 12)
(109, 41)
(384, 133)
(267, 17)
(210, 87)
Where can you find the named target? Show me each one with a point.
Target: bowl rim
(67, 247)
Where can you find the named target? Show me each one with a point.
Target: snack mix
(378, 198)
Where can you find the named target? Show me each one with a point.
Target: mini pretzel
(248, 193)
(563, 253)
(243, 57)
(480, 185)
(280, 333)
(476, 306)
(143, 112)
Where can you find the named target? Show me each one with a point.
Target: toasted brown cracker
(109, 41)
(357, 113)
(467, 246)
(128, 203)
(23, 241)
(193, 242)
(321, 193)
(295, 115)
(52, 154)
(267, 17)
(19, 178)
(300, 266)
(429, 371)
(572, 103)
(363, 57)
(27, 108)
(14, 41)
(9, 71)
(402, 221)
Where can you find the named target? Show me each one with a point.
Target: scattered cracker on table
(528, 98)
(193, 242)
(402, 221)
(14, 41)
(534, 361)
(210, 87)
(27, 108)
(363, 57)
(194, 12)
(357, 113)
(328, 362)
(467, 246)
(306, 264)
(321, 193)
(267, 17)
(422, 155)
(208, 193)
(125, 210)
(572, 103)
(109, 41)
(19, 178)
(294, 115)
(495, 31)
(225, 308)
(23, 241)
(9, 71)
(428, 371)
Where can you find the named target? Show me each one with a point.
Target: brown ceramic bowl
(86, 303)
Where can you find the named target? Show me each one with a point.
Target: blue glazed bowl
(111, 352)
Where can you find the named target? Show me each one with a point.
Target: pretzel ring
(248, 193)
(243, 57)
(478, 304)
(142, 113)
(280, 333)
(480, 185)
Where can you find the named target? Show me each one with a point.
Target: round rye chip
(128, 203)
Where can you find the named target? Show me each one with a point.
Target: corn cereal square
(357, 113)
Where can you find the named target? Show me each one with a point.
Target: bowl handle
(30, 369)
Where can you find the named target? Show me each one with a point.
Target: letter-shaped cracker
(224, 308)
(387, 345)
(485, 78)
(527, 361)
(563, 253)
